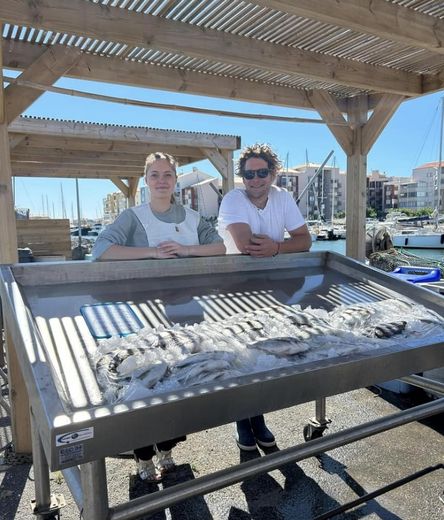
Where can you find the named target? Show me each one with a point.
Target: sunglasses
(262, 173)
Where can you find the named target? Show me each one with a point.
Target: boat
(414, 239)
(419, 235)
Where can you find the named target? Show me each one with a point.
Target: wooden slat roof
(348, 47)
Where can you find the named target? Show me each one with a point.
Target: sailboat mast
(438, 202)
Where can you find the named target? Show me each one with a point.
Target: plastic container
(417, 274)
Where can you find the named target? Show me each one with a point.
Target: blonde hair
(152, 157)
(155, 156)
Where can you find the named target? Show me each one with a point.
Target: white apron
(157, 231)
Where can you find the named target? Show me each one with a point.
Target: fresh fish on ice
(205, 367)
(282, 347)
(386, 330)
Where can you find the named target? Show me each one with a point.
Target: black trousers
(148, 452)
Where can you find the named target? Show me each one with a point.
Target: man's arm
(300, 241)
(242, 236)
(263, 246)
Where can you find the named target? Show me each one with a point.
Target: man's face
(257, 187)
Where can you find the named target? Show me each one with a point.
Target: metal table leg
(42, 502)
(95, 491)
(318, 424)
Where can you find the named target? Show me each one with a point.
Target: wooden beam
(376, 17)
(216, 159)
(18, 397)
(152, 32)
(133, 185)
(46, 69)
(124, 188)
(69, 144)
(326, 105)
(74, 156)
(385, 109)
(53, 167)
(356, 181)
(150, 136)
(228, 181)
(15, 140)
(61, 173)
(8, 242)
(18, 55)
(54, 162)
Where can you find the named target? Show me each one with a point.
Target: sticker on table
(73, 453)
(106, 320)
(69, 438)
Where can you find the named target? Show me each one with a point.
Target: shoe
(165, 462)
(244, 435)
(262, 434)
(147, 471)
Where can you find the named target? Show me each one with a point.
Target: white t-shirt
(279, 215)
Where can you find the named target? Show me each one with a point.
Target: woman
(159, 229)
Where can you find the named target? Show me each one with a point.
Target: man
(252, 221)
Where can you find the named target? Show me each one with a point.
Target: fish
(150, 376)
(353, 316)
(205, 367)
(386, 330)
(282, 346)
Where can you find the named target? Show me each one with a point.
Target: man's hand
(261, 246)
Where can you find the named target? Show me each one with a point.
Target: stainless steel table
(74, 429)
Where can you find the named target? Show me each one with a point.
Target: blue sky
(410, 139)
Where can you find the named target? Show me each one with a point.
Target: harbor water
(338, 246)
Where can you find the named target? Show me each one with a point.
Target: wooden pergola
(352, 61)
(53, 148)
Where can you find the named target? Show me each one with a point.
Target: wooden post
(21, 431)
(132, 190)
(356, 180)
(223, 162)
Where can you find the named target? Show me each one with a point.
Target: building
(324, 198)
(429, 176)
(114, 203)
(376, 182)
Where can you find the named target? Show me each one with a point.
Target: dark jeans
(148, 452)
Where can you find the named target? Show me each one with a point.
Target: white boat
(418, 239)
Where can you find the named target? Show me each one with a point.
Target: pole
(78, 213)
(317, 172)
(438, 202)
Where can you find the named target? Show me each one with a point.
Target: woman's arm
(174, 249)
(116, 252)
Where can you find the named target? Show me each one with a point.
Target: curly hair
(160, 155)
(260, 151)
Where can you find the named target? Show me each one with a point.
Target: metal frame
(54, 414)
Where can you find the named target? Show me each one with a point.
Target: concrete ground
(301, 491)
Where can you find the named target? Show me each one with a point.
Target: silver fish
(386, 330)
(150, 376)
(282, 347)
(353, 316)
(205, 366)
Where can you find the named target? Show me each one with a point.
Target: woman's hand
(172, 249)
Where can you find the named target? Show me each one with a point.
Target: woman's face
(161, 179)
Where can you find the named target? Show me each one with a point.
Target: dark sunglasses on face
(262, 173)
